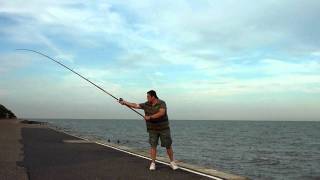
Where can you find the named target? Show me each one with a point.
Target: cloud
(3, 92)
(315, 53)
(224, 51)
(276, 67)
(269, 77)
(264, 98)
(13, 61)
(211, 32)
(205, 40)
(231, 26)
(47, 23)
(204, 18)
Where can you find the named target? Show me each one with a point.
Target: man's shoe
(152, 166)
(173, 165)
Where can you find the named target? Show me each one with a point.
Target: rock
(33, 122)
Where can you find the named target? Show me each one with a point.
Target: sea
(262, 150)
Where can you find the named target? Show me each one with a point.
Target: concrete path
(11, 151)
(35, 152)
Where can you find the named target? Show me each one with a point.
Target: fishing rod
(120, 99)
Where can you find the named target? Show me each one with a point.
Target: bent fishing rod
(120, 99)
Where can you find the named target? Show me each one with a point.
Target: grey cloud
(297, 21)
(233, 26)
(287, 25)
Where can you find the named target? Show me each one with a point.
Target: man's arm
(129, 104)
(159, 114)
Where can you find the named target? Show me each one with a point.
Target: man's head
(151, 96)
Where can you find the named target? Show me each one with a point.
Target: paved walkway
(11, 152)
(35, 152)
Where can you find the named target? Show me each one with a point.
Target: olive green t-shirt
(157, 124)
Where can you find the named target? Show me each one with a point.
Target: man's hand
(121, 101)
(147, 118)
(129, 104)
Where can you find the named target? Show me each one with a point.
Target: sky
(208, 59)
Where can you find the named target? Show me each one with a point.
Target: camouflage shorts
(165, 138)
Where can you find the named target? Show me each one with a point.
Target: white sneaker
(152, 166)
(173, 165)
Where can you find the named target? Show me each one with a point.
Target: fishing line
(30, 50)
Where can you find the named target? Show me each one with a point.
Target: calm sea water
(259, 150)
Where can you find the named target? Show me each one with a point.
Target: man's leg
(170, 153)
(166, 141)
(153, 140)
(153, 153)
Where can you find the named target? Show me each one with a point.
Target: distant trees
(6, 113)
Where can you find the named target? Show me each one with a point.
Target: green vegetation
(6, 113)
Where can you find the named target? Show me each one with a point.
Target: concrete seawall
(34, 151)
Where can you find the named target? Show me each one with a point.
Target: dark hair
(153, 93)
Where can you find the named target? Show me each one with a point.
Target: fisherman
(155, 116)
(157, 122)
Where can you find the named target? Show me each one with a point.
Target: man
(157, 125)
